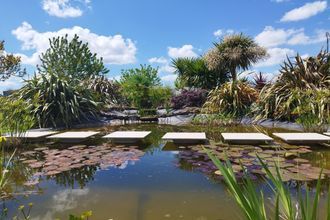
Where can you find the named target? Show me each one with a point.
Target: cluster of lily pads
(245, 158)
(50, 162)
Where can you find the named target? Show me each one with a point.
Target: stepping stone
(303, 138)
(127, 137)
(37, 135)
(246, 138)
(73, 136)
(185, 137)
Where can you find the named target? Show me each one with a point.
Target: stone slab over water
(302, 138)
(246, 138)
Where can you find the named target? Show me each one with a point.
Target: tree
(193, 72)
(235, 52)
(72, 59)
(10, 65)
(136, 84)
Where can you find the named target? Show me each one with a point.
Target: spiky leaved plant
(299, 80)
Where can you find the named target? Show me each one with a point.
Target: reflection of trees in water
(18, 174)
(72, 177)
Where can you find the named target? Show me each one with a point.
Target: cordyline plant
(252, 202)
(301, 82)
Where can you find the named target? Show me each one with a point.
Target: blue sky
(127, 33)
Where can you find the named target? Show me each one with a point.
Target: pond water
(153, 180)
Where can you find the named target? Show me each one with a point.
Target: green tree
(235, 53)
(10, 65)
(60, 87)
(136, 84)
(72, 59)
(193, 72)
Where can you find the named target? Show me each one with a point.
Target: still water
(154, 180)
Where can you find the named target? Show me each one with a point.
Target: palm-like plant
(304, 82)
(259, 81)
(235, 52)
(56, 102)
(193, 72)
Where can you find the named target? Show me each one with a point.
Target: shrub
(160, 96)
(189, 98)
(298, 84)
(231, 98)
(59, 103)
(15, 116)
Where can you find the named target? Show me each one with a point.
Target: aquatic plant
(83, 216)
(252, 201)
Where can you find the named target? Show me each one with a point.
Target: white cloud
(11, 83)
(68, 199)
(184, 51)
(306, 11)
(161, 60)
(276, 56)
(114, 49)
(62, 8)
(221, 32)
(271, 37)
(167, 68)
(169, 79)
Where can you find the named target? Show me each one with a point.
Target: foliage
(62, 97)
(15, 116)
(137, 83)
(301, 82)
(259, 81)
(193, 72)
(4, 169)
(72, 59)
(106, 91)
(252, 202)
(58, 102)
(233, 53)
(189, 98)
(10, 65)
(24, 213)
(215, 119)
(231, 98)
(160, 96)
(83, 216)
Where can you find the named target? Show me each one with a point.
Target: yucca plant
(259, 81)
(299, 80)
(252, 202)
(231, 98)
(59, 103)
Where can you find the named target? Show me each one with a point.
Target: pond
(152, 180)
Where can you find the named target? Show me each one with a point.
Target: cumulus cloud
(306, 11)
(184, 51)
(222, 32)
(169, 79)
(272, 37)
(62, 8)
(114, 49)
(10, 84)
(161, 60)
(276, 56)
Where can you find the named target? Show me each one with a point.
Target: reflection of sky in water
(155, 187)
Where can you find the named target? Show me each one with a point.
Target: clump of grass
(252, 202)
